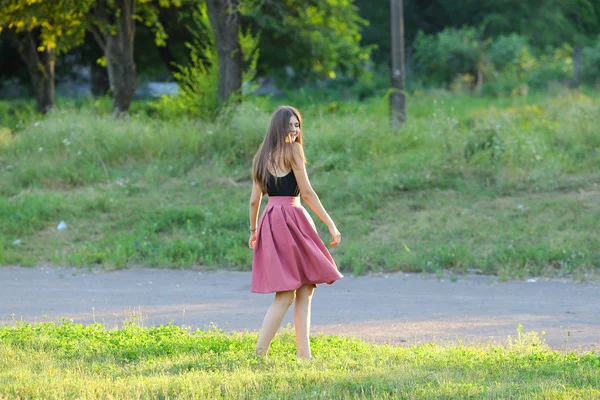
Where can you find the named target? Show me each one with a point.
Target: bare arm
(255, 199)
(310, 196)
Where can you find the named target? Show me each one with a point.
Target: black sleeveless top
(283, 186)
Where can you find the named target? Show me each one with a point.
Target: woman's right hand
(336, 236)
(252, 240)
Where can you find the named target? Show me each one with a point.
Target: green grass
(508, 186)
(74, 361)
(452, 230)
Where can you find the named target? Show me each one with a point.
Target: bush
(512, 51)
(457, 58)
(509, 63)
(199, 81)
(590, 63)
(15, 113)
(440, 58)
(555, 65)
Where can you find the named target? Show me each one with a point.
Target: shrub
(590, 63)
(452, 52)
(199, 81)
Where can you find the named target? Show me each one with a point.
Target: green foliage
(544, 22)
(16, 113)
(145, 12)
(510, 65)
(148, 14)
(61, 23)
(510, 51)
(376, 33)
(555, 65)
(507, 64)
(198, 81)
(198, 87)
(317, 39)
(590, 62)
(440, 58)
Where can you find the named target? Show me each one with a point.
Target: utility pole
(397, 96)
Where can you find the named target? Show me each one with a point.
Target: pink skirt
(288, 252)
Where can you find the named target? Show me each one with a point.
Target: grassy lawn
(73, 361)
(505, 186)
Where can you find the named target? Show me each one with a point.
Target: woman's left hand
(336, 236)
(252, 240)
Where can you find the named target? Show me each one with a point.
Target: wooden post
(397, 96)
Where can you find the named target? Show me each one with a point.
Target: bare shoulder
(297, 146)
(298, 150)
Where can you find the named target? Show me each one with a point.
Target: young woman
(289, 257)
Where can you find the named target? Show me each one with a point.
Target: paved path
(397, 308)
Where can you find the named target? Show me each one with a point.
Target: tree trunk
(118, 50)
(397, 97)
(40, 66)
(225, 21)
(122, 76)
(99, 79)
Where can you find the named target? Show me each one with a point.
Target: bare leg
(302, 320)
(272, 321)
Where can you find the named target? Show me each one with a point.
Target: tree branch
(97, 35)
(28, 52)
(100, 12)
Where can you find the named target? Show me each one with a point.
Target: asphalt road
(402, 309)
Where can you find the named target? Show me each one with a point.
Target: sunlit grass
(74, 361)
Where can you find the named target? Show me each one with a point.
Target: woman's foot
(260, 353)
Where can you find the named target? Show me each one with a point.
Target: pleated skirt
(288, 252)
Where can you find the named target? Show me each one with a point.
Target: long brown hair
(276, 151)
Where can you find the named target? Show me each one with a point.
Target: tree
(113, 24)
(199, 79)
(225, 21)
(316, 38)
(113, 28)
(45, 28)
(584, 18)
(41, 31)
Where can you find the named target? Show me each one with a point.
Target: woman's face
(294, 128)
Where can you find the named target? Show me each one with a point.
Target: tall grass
(496, 147)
